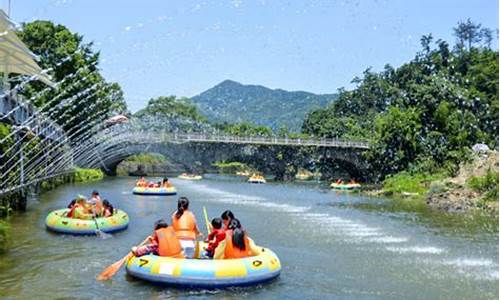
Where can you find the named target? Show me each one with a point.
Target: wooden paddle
(112, 269)
(98, 231)
(207, 223)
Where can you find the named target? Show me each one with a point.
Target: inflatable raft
(154, 191)
(345, 187)
(58, 222)
(190, 177)
(206, 273)
(256, 180)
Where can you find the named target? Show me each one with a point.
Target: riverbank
(17, 201)
(474, 188)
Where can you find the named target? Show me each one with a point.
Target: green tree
(73, 65)
(171, 106)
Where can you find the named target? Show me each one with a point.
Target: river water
(331, 245)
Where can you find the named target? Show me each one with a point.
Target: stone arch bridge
(197, 152)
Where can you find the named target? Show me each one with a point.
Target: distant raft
(190, 177)
(148, 191)
(256, 179)
(58, 222)
(345, 186)
(206, 273)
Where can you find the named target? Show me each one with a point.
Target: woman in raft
(184, 224)
(226, 217)
(166, 183)
(163, 242)
(237, 243)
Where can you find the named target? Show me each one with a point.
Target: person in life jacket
(217, 235)
(71, 207)
(226, 217)
(237, 243)
(96, 203)
(163, 242)
(186, 229)
(108, 209)
(79, 210)
(141, 182)
(166, 183)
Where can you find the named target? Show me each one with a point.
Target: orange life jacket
(167, 184)
(71, 211)
(168, 243)
(185, 226)
(233, 252)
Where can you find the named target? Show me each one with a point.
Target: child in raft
(186, 229)
(217, 235)
(163, 242)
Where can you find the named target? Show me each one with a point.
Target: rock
(480, 148)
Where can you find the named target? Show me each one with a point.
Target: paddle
(98, 231)
(113, 268)
(207, 223)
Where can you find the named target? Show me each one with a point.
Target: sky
(155, 48)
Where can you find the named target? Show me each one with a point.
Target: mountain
(233, 102)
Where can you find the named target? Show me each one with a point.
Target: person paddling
(96, 202)
(163, 242)
(186, 229)
(237, 243)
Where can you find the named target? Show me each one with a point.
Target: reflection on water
(331, 245)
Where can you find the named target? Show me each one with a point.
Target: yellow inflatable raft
(147, 191)
(206, 273)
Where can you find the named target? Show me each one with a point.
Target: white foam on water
(227, 197)
(470, 262)
(357, 232)
(362, 233)
(416, 249)
(493, 274)
(386, 239)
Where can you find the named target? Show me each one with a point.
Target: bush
(84, 175)
(4, 235)
(487, 184)
(147, 158)
(231, 167)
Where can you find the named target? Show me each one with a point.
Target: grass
(404, 182)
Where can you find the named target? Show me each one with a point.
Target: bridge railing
(323, 142)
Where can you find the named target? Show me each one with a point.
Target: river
(331, 245)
